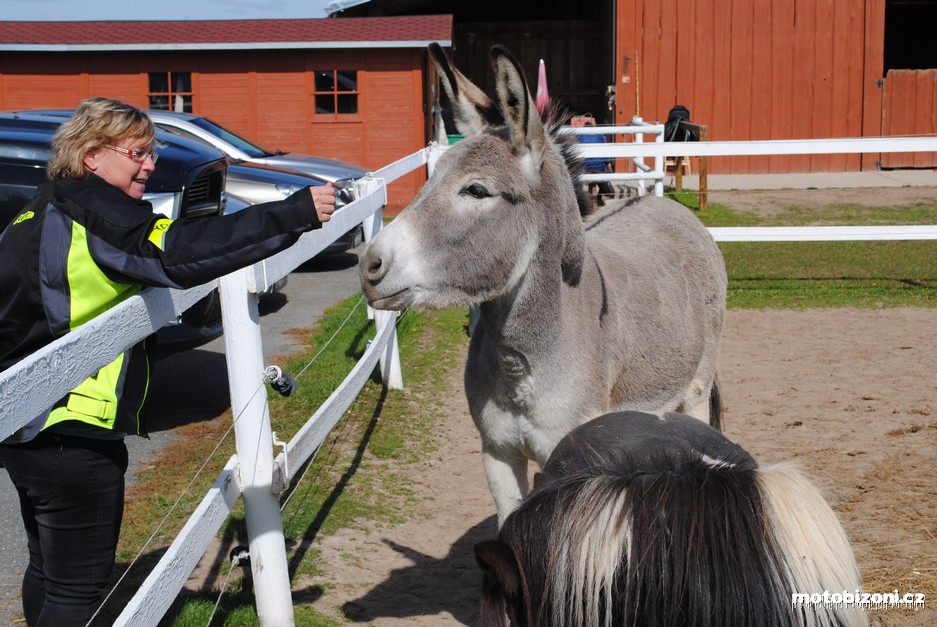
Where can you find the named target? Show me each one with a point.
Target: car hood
(261, 173)
(329, 169)
(247, 175)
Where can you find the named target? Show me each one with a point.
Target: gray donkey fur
(622, 310)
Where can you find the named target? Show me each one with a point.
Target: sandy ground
(851, 395)
(776, 201)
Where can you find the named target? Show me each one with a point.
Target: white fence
(659, 150)
(254, 474)
(637, 128)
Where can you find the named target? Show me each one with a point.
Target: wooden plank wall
(910, 109)
(577, 65)
(752, 69)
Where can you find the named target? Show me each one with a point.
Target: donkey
(622, 309)
(640, 519)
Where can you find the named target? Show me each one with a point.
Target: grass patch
(802, 275)
(356, 478)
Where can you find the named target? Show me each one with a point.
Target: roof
(364, 32)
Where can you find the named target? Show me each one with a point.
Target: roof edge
(263, 45)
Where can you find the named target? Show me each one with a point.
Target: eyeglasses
(136, 155)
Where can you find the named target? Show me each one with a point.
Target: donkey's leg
(507, 479)
(697, 400)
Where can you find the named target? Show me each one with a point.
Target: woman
(86, 242)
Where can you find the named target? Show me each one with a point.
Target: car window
(180, 131)
(253, 150)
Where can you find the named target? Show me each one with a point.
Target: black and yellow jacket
(80, 247)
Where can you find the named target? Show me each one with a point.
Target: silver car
(255, 183)
(239, 149)
(250, 180)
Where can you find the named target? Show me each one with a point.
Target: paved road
(192, 386)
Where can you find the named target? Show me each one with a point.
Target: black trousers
(71, 493)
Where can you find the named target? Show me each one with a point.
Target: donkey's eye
(476, 190)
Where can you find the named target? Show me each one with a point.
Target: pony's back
(658, 531)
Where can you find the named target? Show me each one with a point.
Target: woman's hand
(323, 197)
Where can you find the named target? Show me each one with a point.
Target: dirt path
(422, 572)
(850, 394)
(772, 202)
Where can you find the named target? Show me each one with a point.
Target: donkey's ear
(472, 109)
(517, 107)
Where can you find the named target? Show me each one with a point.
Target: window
(171, 91)
(336, 91)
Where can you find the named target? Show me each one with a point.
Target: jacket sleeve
(199, 250)
(188, 252)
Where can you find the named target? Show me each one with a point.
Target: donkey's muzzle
(372, 269)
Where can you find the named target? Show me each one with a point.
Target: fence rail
(848, 145)
(35, 383)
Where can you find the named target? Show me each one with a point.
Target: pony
(638, 519)
(579, 315)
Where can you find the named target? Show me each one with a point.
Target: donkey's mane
(553, 120)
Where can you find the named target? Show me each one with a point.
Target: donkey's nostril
(375, 268)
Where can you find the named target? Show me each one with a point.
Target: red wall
(756, 69)
(264, 95)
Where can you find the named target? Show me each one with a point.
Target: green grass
(801, 275)
(358, 474)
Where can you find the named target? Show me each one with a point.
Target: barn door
(910, 108)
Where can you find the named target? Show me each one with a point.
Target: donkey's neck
(525, 319)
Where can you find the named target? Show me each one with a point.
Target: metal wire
(224, 586)
(159, 526)
(315, 454)
(201, 469)
(329, 341)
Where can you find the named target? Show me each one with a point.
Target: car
(246, 156)
(237, 148)
(257, 183)
(189, 183)
(240, 149)
(254, 174)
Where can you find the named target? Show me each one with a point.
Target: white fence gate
(254, 473)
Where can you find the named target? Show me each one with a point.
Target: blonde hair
(97, 122)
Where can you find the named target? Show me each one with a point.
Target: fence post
(703, 172)
(436, 150)
(254, 438)
(391, 372)
(639, 161)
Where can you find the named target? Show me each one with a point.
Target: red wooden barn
(775, 69)
(358, 87)
(352, 89)
(747, 69)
